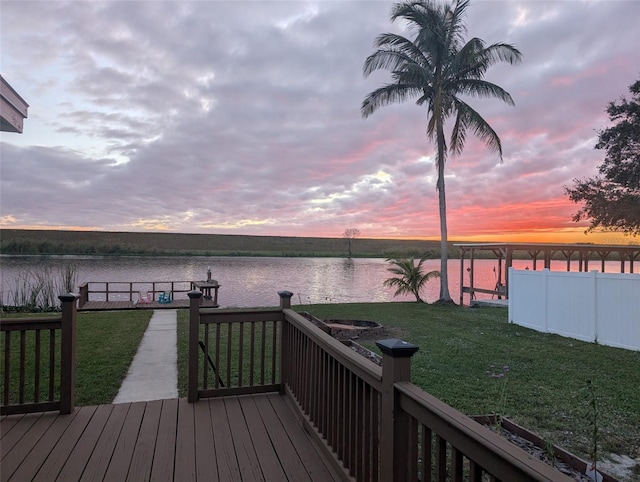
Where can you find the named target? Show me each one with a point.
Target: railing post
(394, 424)
(84, 294)
(68, 353)
(285, 299)
(194, 331)
(285, 303)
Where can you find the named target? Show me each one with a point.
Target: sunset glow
(211, 117)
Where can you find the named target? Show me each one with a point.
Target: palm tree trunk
(442, 204)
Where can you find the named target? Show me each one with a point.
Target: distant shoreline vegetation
(105, 243)
(102, 243)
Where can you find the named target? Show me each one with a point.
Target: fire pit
(350, 329)
(344, 329)
(347, 331)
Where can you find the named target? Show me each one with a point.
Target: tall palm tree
(410, 278)
(438, 68)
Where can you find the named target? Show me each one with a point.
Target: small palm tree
(410, 278)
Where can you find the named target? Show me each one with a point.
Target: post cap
(194, 294)
(285, 294)
(68, 297)
(397, 348)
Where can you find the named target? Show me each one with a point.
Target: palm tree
(438, 68)
(410, 277)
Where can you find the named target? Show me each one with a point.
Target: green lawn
(476, 361)
(106, 344)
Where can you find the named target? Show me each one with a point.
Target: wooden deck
(243, 438)
(129, 305)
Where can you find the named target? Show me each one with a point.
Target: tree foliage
(410, 279)
(612, 198)
(439, 68)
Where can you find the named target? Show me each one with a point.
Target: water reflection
(250, 281)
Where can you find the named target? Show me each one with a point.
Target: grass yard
(106, 342)
(474, 360)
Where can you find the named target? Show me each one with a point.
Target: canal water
(255, 281)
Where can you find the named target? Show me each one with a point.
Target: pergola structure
(13, 108)
(505, 252)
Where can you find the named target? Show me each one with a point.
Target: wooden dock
(238, 438)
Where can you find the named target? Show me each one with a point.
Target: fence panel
(570, 298)
(602, 307)
(527, 299)
(618, 310)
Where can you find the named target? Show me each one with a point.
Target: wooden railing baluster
(274, 352)
(23, 355)
(205, 350)
(252, 337)
(427, 454)
(36, 369)
(229, 327)
(413, 449)
(52, 361)
(240, 351)
(218, 336)
(7, 368)
(263, 339)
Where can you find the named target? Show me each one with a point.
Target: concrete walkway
(153, 374)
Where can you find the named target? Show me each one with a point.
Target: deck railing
(39, 362)
(129, 290)
(373, 420)
(338, 391)
(233, 352)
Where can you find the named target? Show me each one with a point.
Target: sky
(243, 117)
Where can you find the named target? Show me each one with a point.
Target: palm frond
(386, 95)
(400, 44)
(481, 128)
(502, 52)
(384, 59)
(456, 28)
(482, 88)
(459, 134)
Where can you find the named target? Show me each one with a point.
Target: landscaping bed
(560, 459)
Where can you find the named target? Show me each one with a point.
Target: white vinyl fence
(594, 306)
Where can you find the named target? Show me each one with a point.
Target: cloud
(244, 117)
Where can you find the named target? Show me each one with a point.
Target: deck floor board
(163, 459)
(98, 463)
(76, 462)
(62, 449)
(241, 433)
(267, 456)
(243, 438)
(205, 448)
